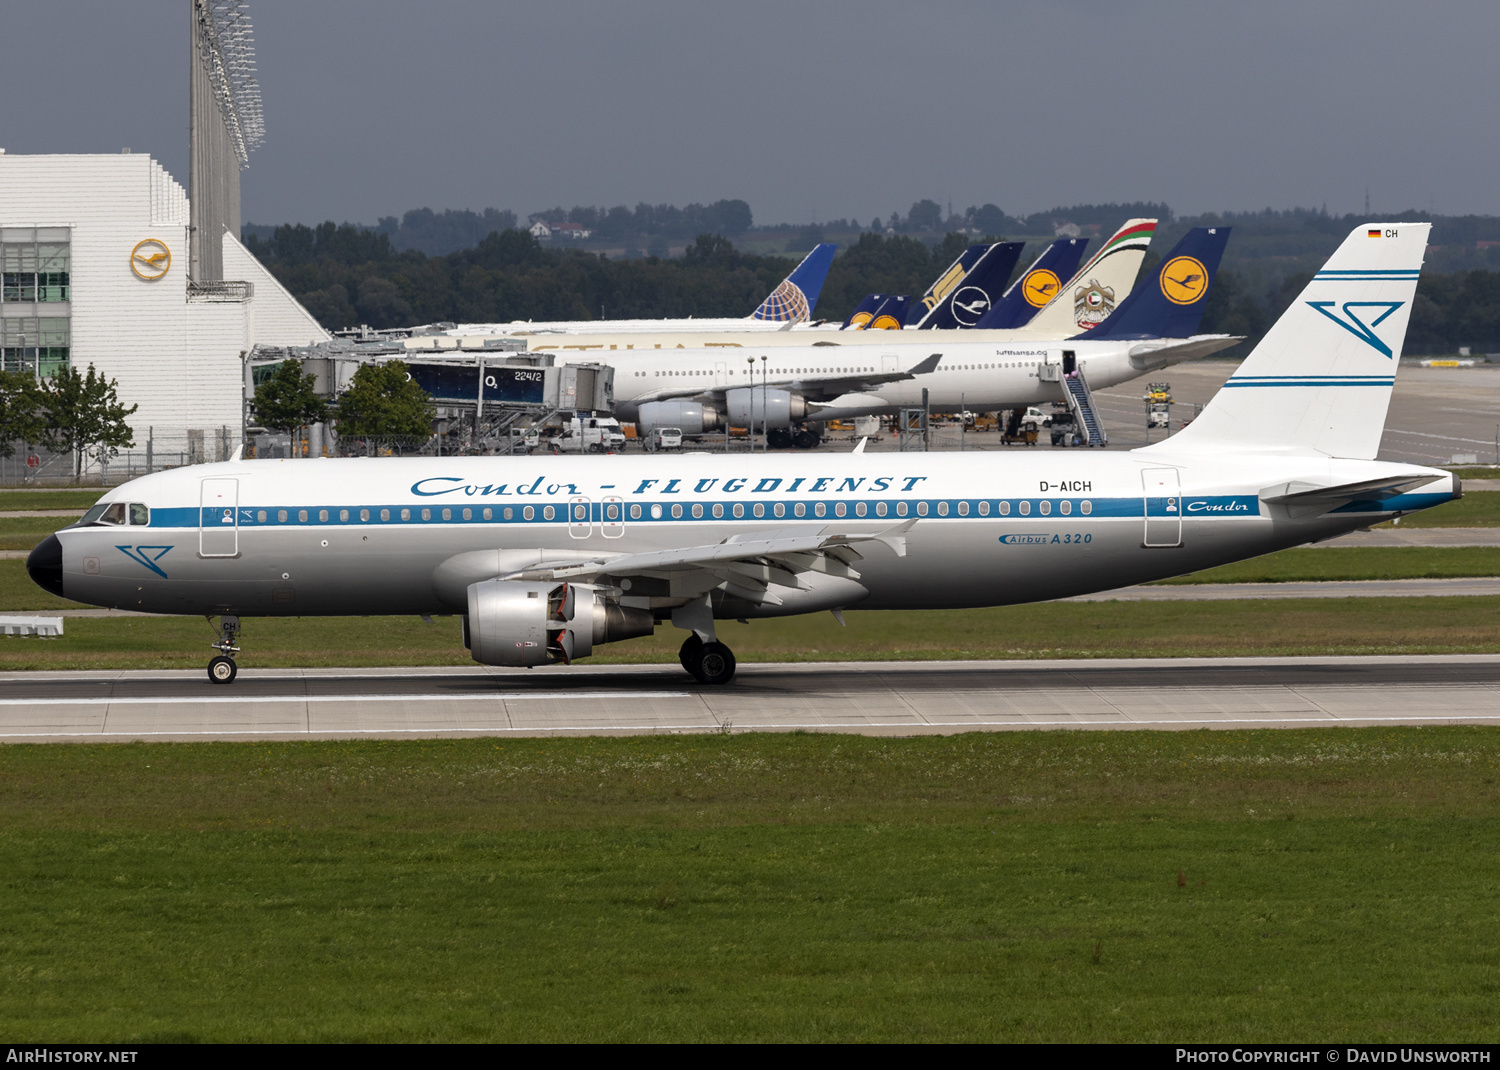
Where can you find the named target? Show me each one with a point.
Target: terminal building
(95, 252)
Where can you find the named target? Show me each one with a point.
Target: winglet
(926, 367)
(239, 453)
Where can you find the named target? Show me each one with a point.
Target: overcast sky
(811, 109)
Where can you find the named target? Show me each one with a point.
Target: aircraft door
(580, 523)
(721, 374)
(1163, 499)
(890, 364)
(1069, 361)
(612, 518)
(219, 518)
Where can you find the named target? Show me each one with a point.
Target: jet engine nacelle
(764, 407)
(691, 417)
(516, 623)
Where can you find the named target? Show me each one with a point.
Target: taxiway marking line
(1122, 722)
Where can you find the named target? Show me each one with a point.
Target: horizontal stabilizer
(1304, 500)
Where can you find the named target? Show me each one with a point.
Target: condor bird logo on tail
(1364, 331)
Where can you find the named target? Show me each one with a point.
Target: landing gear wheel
(779, 438)
(714, 665)
(805, 440)
(222, 670)
(692, 649)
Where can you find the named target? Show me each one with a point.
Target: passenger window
(800, 509)
(942, 508)
(448, 514)
(1087, 508)
(322, 516)
(900, 508)
(1025, 508)
(280, 516)
(1065, 508)
(739, 510)
(779, 509)
(718, 511)
(548, 512)
(364, 514)
(676, 512)
(343, 515)
(489, 514)
(139, 514)
(880, 508)
(635, 512)
(385, 514)
(1005, 508)
(261, 516)
(760, 509)
(921, 508)
(526, 514)
(468, 514)
(302, 516)
(860, 510)
(697, 511)
(821, 509)
(426, 514)
(840, 509)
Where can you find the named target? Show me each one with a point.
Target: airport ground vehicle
(544, 559)
(588, 434)
(663, 438)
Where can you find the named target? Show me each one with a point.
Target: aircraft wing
(746, 566)
(810, 386)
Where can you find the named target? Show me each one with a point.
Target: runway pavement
(871, 698)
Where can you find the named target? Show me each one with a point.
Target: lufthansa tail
(968, 301)
(890, 314)
(1088, 299)
(1041, 282)
(1170, 303)
(863, 312)
(794, 300)
(1320, 380)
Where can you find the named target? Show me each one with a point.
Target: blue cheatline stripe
(1310, 380)
(658, 511)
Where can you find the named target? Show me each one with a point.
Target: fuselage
(381, 536)
(977, 376)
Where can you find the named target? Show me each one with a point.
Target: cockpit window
(93, 514)
(113, 514)
(139, 514)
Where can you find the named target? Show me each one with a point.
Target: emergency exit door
(219, 518)
(1163, 499)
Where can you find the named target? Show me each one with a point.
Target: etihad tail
(1170, 303)
(1091, 295)
(1321, 378)
(968, 301)
(1040, 283)
(794, 300)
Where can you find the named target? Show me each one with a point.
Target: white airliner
(545, 559)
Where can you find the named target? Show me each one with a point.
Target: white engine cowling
(692, 417)
(765, 407)
(515, 623)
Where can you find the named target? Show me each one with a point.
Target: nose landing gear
(222, 669)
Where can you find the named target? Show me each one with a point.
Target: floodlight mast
(226, 49)
(226, 123)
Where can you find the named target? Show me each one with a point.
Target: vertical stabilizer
(966, 302)
(1092, 294)
(1170, 302)
(863, 312)
(1036, 287)
(1321, 378)
(794, 300)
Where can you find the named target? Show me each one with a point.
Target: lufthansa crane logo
(1183, 280)
(150, 259)
(1040, 287)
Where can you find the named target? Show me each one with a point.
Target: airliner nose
(44, 565)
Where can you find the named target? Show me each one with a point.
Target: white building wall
(179, 360)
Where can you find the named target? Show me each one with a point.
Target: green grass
(50, 499)
(1355, 563)
(1319, 885)
(1476, 509)
(24, 532)
(1278, 627)
(1480, 471)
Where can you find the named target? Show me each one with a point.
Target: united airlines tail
(1088, 299)
(1170, 303)
(1321, 378)
(794, 300)
(863, 312)
(1040, 283)
(966, 303)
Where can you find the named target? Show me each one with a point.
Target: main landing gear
(222, 669)
(711, 663)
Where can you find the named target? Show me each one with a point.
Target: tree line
(72, 412)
